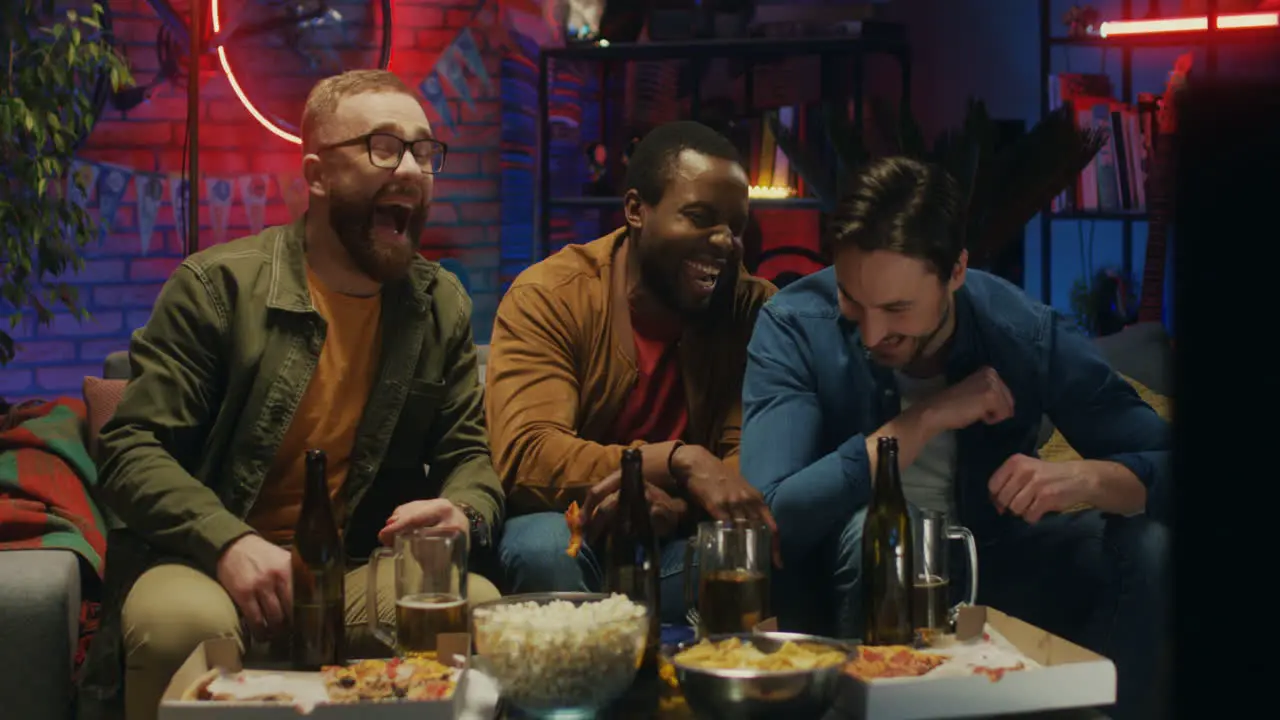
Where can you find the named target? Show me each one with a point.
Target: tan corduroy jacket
(562, 363)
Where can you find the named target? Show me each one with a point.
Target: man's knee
(533, 555)
(1142, 548)
(480, 589)
(171, 610)
(849, 555)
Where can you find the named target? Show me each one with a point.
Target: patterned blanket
(45, 501)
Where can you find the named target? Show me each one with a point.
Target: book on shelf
(1115, 180)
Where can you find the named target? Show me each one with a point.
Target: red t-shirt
(656, 410)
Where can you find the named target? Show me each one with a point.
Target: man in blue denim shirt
(900, 339)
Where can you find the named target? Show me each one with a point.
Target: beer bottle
(319, 570)
(631, 551)
(887, 559)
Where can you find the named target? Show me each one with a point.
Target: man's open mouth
(392, 216)
(704, 273)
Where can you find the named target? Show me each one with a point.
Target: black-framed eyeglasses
(387, 151)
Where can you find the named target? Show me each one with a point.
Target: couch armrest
(39, 631)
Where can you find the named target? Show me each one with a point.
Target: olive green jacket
(220, 368)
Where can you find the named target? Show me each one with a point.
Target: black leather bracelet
(671, 470)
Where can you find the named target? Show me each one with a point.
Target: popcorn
(562, 655)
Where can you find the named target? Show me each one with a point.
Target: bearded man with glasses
(330, 333)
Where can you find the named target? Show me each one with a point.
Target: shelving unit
(876, 38)
(1211, 40)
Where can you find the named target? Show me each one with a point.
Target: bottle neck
(888, 475)
(316, 485)
(631, 499)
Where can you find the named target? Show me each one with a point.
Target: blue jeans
(1099, 581)
(532, 553)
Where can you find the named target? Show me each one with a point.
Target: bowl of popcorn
(560, 655)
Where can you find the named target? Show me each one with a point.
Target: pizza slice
(891, 661)
(394, 679)
(573, 518)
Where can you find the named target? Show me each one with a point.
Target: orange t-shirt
(656, 410)
(329, 411)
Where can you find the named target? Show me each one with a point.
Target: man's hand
(258, 576)
(601, 505)
(981, 397)
(437, 513)
(1029, 487)
(722, 491)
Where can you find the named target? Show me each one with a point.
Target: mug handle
(689, 580)
(957, 532)
(371, 597)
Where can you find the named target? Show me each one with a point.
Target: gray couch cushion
(1142, 352)
(39, 630)
(1139, 351)
(116, 366)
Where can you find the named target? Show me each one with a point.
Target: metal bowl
(749, 694)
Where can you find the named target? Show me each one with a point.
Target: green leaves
(47, 80)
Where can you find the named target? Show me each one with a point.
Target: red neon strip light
(1248, 20)
(244, 98)
(1114, 28)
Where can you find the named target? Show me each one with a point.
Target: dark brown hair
(904, 206)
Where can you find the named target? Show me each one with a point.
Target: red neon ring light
(244, 98)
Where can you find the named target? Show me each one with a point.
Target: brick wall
(120, 281)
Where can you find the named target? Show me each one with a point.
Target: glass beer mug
(932, 587)
(430, 589)
(733, 566)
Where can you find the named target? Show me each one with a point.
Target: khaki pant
(173, 608)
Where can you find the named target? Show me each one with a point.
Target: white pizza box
(223, 653)
(1069, 676)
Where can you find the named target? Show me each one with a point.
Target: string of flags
(109, 183)
(461, 57)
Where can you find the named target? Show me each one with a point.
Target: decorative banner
(293, 188)
(452, 72)
(220, 191)
(150, 189)
(179, 196)
(465, 45)
(253, 193)
(434, 93)
(112, 183)
(87, 173)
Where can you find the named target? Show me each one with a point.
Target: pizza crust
(199, 690)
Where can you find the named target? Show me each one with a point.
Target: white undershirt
(929, 481)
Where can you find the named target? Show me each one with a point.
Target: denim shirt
(812, 394)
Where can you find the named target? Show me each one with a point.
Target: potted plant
(1105, 305)
(56, 68)
(1005, 187)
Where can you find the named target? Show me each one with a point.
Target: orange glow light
(1114, 28)
(240, 93)
(771, 192)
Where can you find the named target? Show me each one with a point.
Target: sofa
(40, 595)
